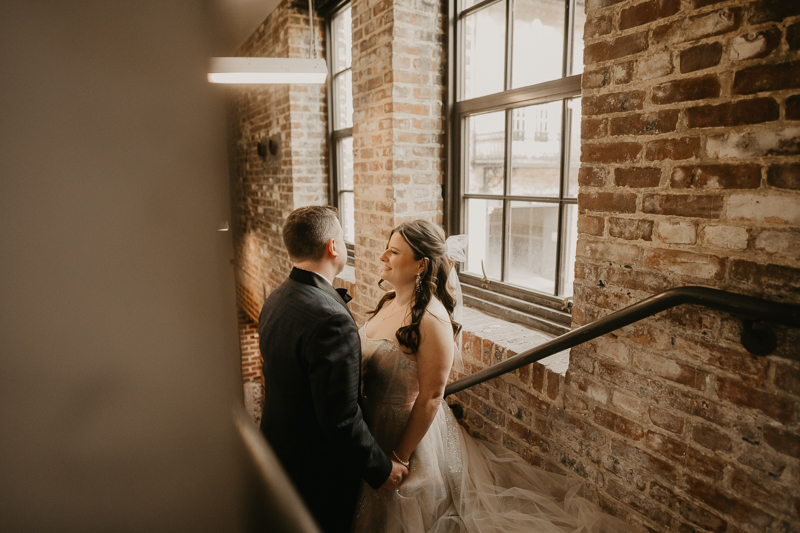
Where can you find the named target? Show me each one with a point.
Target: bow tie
(343, 293)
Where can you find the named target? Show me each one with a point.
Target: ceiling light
(267, 70)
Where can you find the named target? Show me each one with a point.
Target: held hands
(399, 472)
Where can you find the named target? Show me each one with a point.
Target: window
(516, 153)
(341, 121)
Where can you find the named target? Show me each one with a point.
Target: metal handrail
(757, 340)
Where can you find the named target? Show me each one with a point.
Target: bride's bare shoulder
(436, 314)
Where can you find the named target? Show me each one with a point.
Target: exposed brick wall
(398, 131)
(689, 177)
(266, 190)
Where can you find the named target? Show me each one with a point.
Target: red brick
(731, 359)
(701, 57)
(742, 176)
(767, 78)
(739, 509)
(594, 79)
(766, 493)
(784, 176)
(645, 123)
(623, 72)
(688, 29)
(630, 229)
(675, 149)
(597, 26)
(687, 89)
(612, 103)
(753, 111)
(618, 424)
(684, 205)
(615, 48)
(647, 12)
(783, 441)
(636, 501)
(692, 512)
(607, 201)
(787, 378)
(711, 438)
(610, 152)
(670, 369)
(666, 420)
(624, 451)
(776, 277)
(772, 11)
(793, 107)
(591, 225)
(689, 457)
(553, 384)
(687, 264)
(594, 128)
(754, 45)
(738, 393)
(591, 176)
(697, 4)
(637, 177)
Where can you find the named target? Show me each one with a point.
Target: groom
(312, 371)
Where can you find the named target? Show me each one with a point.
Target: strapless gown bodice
(457, 484)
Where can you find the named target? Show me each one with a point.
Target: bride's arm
(434, 359)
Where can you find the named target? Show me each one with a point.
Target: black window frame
(329, 10)
(543, 311)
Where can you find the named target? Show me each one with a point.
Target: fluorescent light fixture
(267, 70)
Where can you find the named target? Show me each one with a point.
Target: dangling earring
(418, 283)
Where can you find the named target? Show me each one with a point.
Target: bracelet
(404, 463)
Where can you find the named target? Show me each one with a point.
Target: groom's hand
(399, 472)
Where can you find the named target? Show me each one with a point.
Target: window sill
(501, 339)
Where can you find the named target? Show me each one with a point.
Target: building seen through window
(341, 118)
(517, 146)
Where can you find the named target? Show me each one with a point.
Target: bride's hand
(399, 472)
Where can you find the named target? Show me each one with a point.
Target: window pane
(577, 37)
(343, 101)
(485, 228)
(532, 241)
(345, 156)
(569, 245)
(574, 166)
(486, 153)
(536, 150)
(483, 71)
(347, 213)
(538, 42)
(342, 30)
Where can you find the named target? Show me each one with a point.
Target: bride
(455, 483)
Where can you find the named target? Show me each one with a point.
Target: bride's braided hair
(426, 240)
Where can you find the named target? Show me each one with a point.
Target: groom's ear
(330, 247)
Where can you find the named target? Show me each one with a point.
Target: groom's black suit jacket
(312, 373)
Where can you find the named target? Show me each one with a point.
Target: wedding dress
(457, 483)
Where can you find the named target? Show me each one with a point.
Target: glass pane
(569, 245)
(574, 110)
(466, 4)
(347, 213)
(343, 101)
(538, 42)
(483, 71)
(536, 150)
(577, 37)
(342, 37)
(486, 140)
(532, 241)
(485, 230)
(345, 156)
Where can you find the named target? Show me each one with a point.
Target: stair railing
(757, 338)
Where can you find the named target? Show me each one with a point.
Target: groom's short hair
(308, 229)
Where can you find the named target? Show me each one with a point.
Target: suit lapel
(315, 280)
